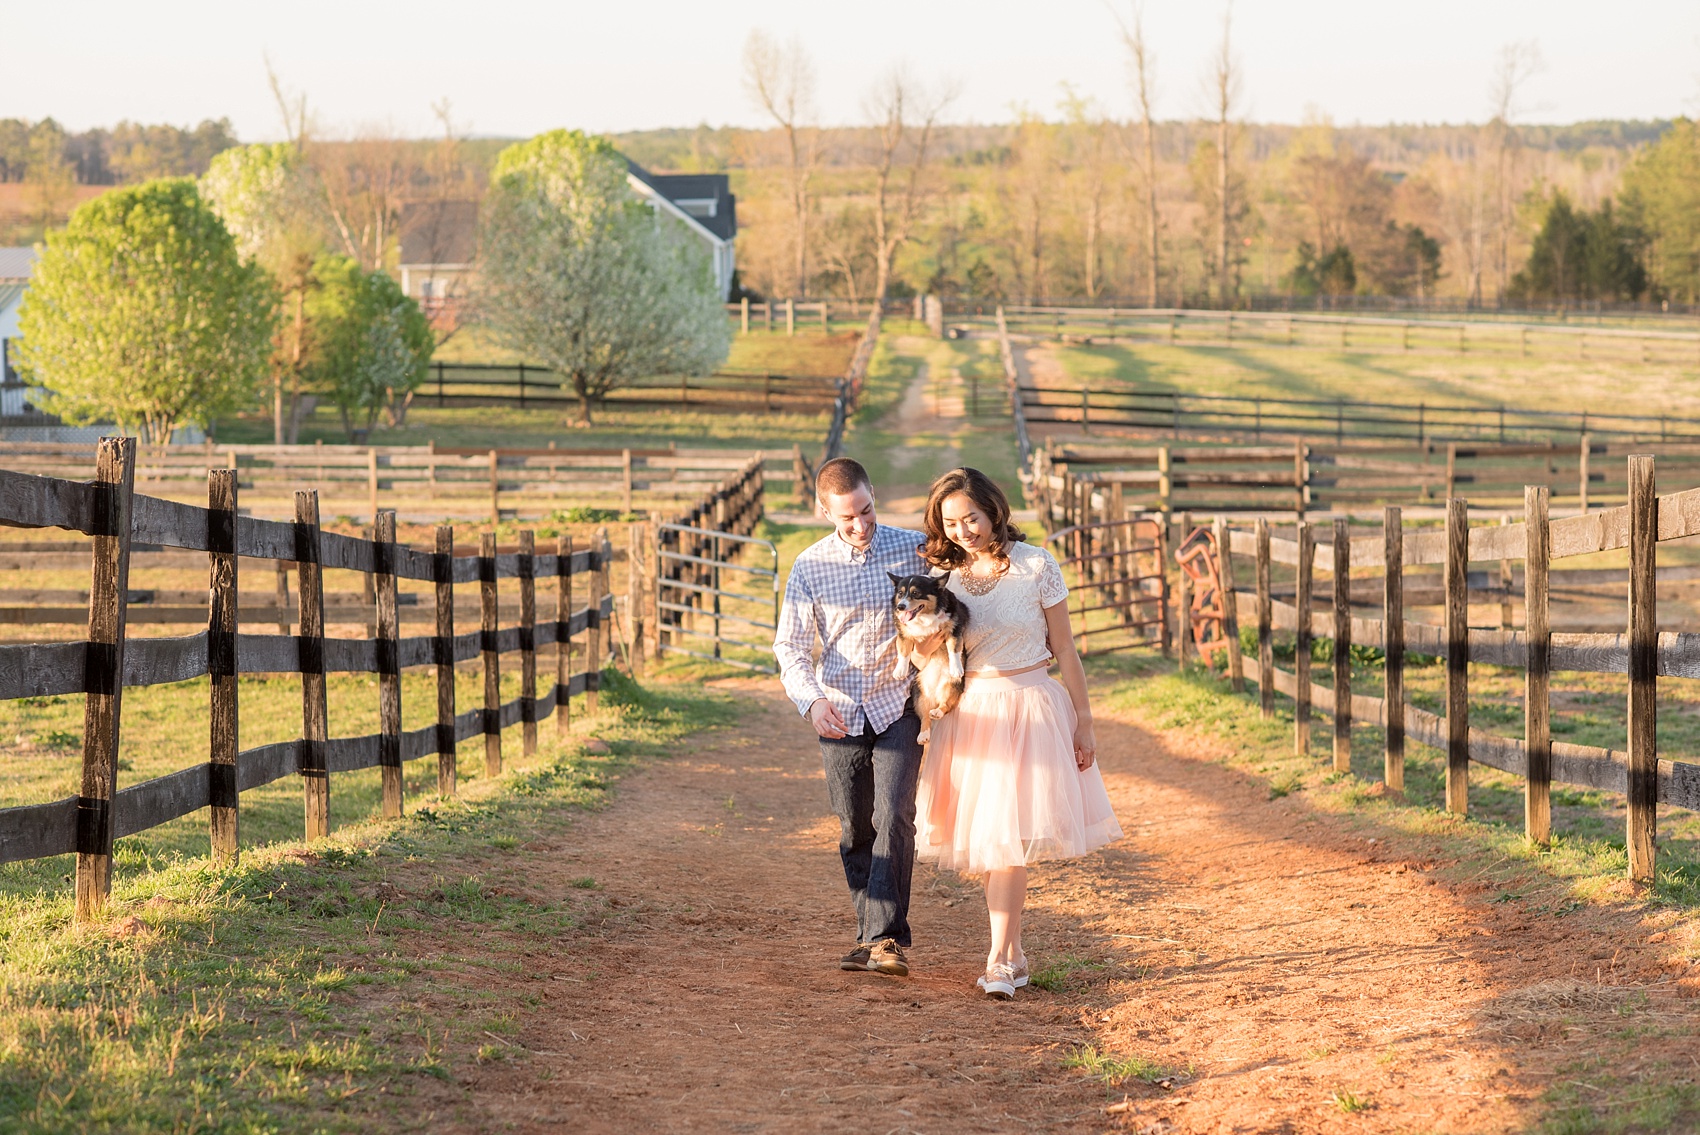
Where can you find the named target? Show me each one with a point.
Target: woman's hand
(1085, 745)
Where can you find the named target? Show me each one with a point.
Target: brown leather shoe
(857, 959)
(887, 957)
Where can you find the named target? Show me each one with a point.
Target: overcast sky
(512, 68)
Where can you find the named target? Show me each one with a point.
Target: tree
(1518, 63)
(1223, 87)
(781, 81)
(1662, 192)
(1142, 65)
(904, 116)
(371, 344)
(583, 277)
(1578, 255)
(265, 196)
(141, 311)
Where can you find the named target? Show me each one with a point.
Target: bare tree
(781, 81)
(1088, 136)
(291, 108)
(904, 114)
(1518, 63)
(1142, 67)
(365, 181)
(1223, 88)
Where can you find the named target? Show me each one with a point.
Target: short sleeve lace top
(1006, 626)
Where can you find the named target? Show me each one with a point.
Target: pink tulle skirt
(999, 787)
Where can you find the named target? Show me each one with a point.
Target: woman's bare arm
(1060, 635)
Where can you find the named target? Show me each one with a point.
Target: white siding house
(15, 265)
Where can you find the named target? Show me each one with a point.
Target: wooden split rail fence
(1068, 483)
(539, 388)
(848, 395)
(1641, 652)
(427, 482)
(110, 660)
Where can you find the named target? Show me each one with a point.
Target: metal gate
(691, 603)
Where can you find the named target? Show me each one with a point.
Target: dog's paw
(935, 714)
(924, 736)
(956, 667)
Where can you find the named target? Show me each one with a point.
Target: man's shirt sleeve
(793, 642)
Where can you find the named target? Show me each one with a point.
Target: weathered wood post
(1265, 626)
(1342, 646)
(315, 715)
(443, 650)
(1165, 627)
(563, 632)
(389, 664)
(223, 787)
(1537, 633)
(626, 480)
(1643, 667)
(790, 317)
(488, 648)
(372, 480)
(1230, 608)
(635, 593)
(1183, 601)
(596, 646)
(115, 480)
(1457, 656)
(1506, 579)
(528, 641)
(1393, 645)
(744, 315)
(1302, 640)
(495, 488)
(1582, 476)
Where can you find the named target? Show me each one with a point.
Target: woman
(1010, 777)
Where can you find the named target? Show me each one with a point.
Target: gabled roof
(439, 232)
(16, 264)
(9, 294)
(706, 198)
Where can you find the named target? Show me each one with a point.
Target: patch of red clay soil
(1271, 957)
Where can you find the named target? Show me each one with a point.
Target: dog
(926, 609)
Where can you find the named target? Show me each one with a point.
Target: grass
(1060, 974)
(296, 991)
(1114, 1070)
(1436, 378)
(1348, 1101)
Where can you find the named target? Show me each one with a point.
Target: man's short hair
(839, 476)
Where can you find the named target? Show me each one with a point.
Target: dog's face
(914, 596)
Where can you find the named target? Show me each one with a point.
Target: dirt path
(1276, 956)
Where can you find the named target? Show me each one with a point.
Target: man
(839, 591)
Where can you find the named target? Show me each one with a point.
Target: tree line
(1093, 202)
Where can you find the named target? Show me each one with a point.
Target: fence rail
(1461, 336)
(1177, 413)
(110, 660)
(526, 386)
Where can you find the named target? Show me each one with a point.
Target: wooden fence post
(1165, 627)
(1265, 626)
(594, 642)
(442, 573)
(487, 646)
(315, 715)
(1643, 667)
(1457, 656)
(563, 637)
(283, 597)
(109, 584)
(1299, 479)
(1582, 488)
(528, 641)
(389, 664)
(790, 317)
(1537, 633)
(626, 474)
(1230, 607)
(744, 315)
(372, 480)
(223, 789)
(1183, 601)
(1301, 641)
(635, 592)
(495, 489)
(1342, 646)
(1393, 645)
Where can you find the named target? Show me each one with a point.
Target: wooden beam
(315, 714)
(1393, 645)
(1342, 646)
(388, 663)
(1457, 656)
(1537, 635)
(222, 629)
(1643, 668)
(490, 652)
(444, 647)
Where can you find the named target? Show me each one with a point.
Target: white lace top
(1006, 626)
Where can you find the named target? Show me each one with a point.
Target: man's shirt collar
(849, 553)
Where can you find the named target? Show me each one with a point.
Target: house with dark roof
(439, 239)
(15, 267)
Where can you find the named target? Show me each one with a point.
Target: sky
(510, 68)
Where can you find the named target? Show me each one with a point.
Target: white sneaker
(1021, 973)
(998, 981)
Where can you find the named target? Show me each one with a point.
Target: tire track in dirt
(1278, 955)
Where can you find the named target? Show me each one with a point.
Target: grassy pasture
(1600, 386)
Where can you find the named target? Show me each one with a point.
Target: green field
(1601, 386)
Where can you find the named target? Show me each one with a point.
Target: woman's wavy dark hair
(940, 550)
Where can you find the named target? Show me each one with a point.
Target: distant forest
(1047, 210)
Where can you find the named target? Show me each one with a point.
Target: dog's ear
(895, 579)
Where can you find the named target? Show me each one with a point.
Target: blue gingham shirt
(843, 595)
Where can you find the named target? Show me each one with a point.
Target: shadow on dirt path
(1275, 969)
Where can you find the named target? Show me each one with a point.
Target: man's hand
(825, 719)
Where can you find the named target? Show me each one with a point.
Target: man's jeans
(871, 781)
